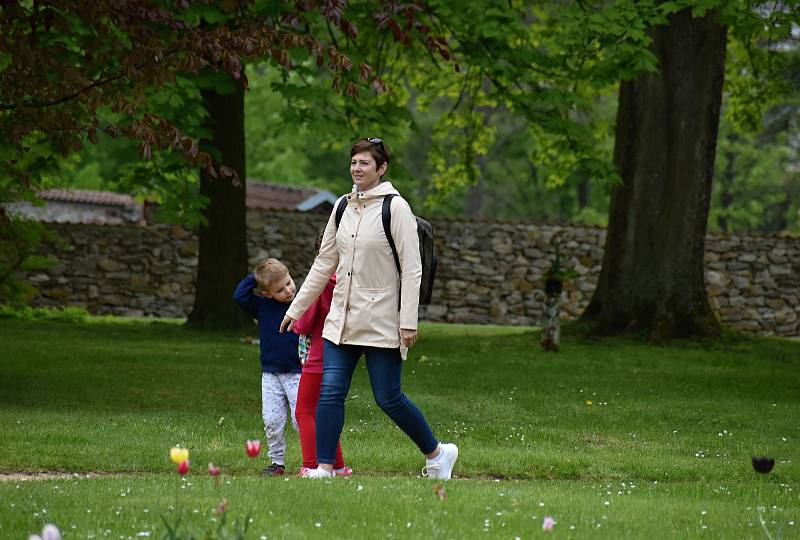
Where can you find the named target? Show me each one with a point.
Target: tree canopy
(489, 105)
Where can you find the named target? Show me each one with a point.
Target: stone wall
(489, 272)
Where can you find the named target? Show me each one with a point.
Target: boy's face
(282, 290)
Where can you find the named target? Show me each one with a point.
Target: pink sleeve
(305, 324)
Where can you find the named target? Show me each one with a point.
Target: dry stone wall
(489, 272)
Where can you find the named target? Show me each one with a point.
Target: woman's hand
(286, 324)
(408, 337)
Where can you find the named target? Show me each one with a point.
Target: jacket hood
(381, 190)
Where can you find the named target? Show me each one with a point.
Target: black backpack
(425, 233)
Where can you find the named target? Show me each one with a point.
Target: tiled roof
(268, 196)
(86, 196)
(261, 195)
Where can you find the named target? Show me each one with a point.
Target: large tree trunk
(652, 275)
(222, 259)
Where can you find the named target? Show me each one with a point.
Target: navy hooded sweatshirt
(278, 351)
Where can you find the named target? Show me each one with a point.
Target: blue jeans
(385, 368)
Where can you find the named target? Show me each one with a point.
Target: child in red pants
(311, 324)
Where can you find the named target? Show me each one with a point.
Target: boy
(265, 295)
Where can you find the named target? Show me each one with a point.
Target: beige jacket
(365, 299)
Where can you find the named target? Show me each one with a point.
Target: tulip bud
(51, 532)
(178, 455)
(183, 467)
(212, 469)
(253, 448)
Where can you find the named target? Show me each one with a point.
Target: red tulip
(253, 448)
(212, 469)
(183, 467)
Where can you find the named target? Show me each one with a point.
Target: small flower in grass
(178, 455)
(50, 532)
(221, 507)
(253, 448)
(440, 491)
(183, 467)
(548, 523)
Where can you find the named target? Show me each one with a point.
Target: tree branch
(74, 95)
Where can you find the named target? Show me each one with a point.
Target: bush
(28, 313)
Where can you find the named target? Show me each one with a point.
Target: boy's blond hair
(268, 271)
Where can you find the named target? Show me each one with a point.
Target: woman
(364, 316)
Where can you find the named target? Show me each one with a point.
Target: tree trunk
(476, 194)
(652, 275)
(726, 183)
(582, 192)
(222, 258)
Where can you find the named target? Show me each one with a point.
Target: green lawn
(613, 438)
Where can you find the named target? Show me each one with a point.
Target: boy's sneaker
(274, 470)
(441, 466)
(304, 471)
(318, 473)
(343, 471)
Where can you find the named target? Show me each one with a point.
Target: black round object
(553, 286)
(763, 464)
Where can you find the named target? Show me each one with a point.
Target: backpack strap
(386, 217)
(340, 208)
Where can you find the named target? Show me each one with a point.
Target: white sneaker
(317, 473)
(441, 466)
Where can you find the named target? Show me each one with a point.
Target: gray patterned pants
(278, 398)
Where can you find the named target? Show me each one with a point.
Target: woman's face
(364, 172)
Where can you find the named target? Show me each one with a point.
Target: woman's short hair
(377, 149)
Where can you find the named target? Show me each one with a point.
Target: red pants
(306, 415)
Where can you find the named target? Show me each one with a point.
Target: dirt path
(47, 475)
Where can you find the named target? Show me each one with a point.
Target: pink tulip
(548, 524)
(212, 469)
(183, 467)
(253, 447)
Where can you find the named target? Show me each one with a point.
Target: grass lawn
(612, 438)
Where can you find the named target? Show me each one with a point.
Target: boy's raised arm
(244, 296)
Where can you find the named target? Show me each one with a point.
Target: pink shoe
(344, 471)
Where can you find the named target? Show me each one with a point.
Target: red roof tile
(267, 196)
(261, 195)
(105, 198)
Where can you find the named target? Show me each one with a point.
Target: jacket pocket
(371, 296)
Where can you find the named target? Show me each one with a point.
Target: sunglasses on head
(379, 142)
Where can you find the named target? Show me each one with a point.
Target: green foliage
(757, 186)
(300, 133)
(757, 182)
(19, 242)
(28, 313)
(557, 272)
(516, 127)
